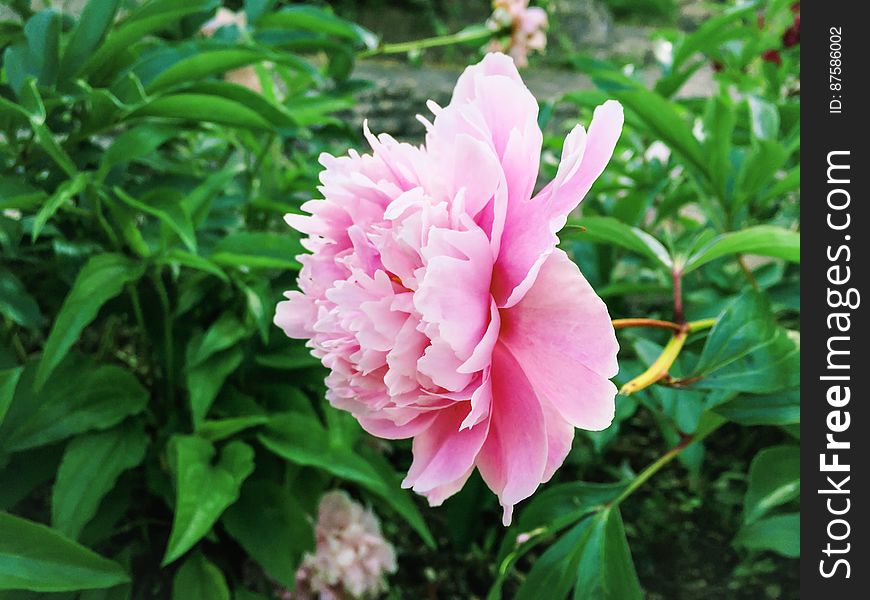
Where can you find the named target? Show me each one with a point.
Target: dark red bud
(772, 56)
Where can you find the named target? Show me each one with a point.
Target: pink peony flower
(224, 17)
(351, 557)
(435, 294)
(244, 76)
(527, 27)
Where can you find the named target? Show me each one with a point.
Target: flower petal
(514, 457)
(562, 336)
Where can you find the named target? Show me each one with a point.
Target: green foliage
(177, 443)
(35, 557)
(142, 257)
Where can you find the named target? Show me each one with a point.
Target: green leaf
(606, 569)
(206, 379)
(565, 503)
(104, 396)
(16, 303)
(203, 490)
(661, 118)
(258, 250)
(90, 467)
(24, 472)
(224, 333)
(199, 579)
(774, 479)
(168, 211)
(719, 121)
(204, 64)
(763, 118)
(120, 38)
(135, 143)
(37, 558)
(272, 527)
(311, 18)
(46, 140)
(607, 230)
(96, 19)
(42, 31)
(779, 533)
(65, 192)
(759, 168)
(780, 408)
(742, 327)
(593, 557)
(302, 440)
(220, 429)
(274, 113)
(210, 359)
(201, 107)
(177, 257)
(8, 381)
(101, 279)
(772, 366)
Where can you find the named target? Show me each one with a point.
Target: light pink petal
(387, 429)
(492, 64)
(481, 401)
(481, 356)
(514, 457)
(560, 436)
(437, 496)
(295, 315)
(444, 452)
(440, 363)
(573, 181)
(454, 293)
(530, 227)
(562, 336)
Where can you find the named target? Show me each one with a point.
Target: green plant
(178, 446)
(140, 268)
(696, 186)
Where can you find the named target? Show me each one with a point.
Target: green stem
(464, 36)
(700, 325)
(664, 459)
(677, 277)
(691, 327)
(137, 307)
(168, 353)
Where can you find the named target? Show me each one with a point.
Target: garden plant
(448, 377)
